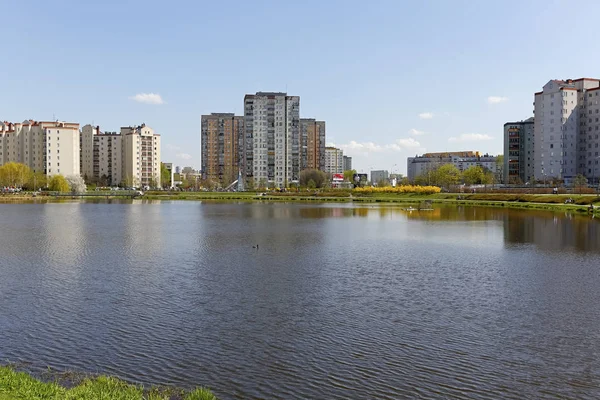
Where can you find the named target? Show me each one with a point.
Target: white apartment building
(141, 156)
(129, 158)
(51, 147)
(271, 143)
(101, 156)
(566, 124)
(334, 160)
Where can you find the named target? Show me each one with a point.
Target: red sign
(338, 177)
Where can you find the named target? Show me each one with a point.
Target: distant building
(378, 176)
(420, 165)
(334, 160)
(347, 163)
(221, 146)
(312, 144)
(169, 167)
(518, 152)
(51, 147)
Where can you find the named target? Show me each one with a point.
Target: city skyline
(444, 77)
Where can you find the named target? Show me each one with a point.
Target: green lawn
(22, 386)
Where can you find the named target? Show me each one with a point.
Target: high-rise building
(347, 163)
(334, 160)
(566, 130)
(272, 140)
(141, 156)
(51, 147)
(222, 146)
(129, 158)
(101, 156)
(519, 152)
(312, 144)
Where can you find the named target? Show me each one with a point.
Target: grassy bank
(20, 385)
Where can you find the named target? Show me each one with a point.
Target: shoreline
(18, 384)
(551, 202)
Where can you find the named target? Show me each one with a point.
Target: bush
(399, 189)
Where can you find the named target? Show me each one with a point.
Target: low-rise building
(421, 165)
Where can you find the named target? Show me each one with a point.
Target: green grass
(16, 385)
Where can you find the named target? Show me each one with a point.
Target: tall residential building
(312, 144)
(421, 165)
(519, 152)
(347, 163)
(51, 147)
(101, 156)
(272, 140)
(566, 130)
(334, 160)
(128, 158)
(141, 156)
(222, 146)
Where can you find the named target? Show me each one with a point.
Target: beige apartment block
(101, 156)
(141, 156)
(51, 147)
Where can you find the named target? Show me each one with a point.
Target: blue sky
(390, 78)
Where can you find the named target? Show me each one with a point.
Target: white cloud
(370, 147)
(408, 143)
(184, 156)
(470, 137)
(426, 115)
(416, 132)
(496, 99)
(148, 98)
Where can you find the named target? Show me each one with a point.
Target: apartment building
(51, 147)
(420, 165)
(222, 146)
(101, 156)
(271, 144)
(334, 160)
(566, 129)
(141, 156)
(347, 161)
(312, 144)
(519, 153)
(378, 176)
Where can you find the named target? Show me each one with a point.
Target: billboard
(337, 177)
(360, 178)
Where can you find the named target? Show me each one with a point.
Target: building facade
(101, 156)
(379, 176)
(347, 161)
(141, 156)
(312, 144)
(334, 160)
(222, 146)
(519, 153)
(421, 165)
(51, 147)
(272, 140)
(565, 130)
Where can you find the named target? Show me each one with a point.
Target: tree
(76, 183)
(165, 176)
(250, 184)
(473, 175)
(262, 184)
(318, 177)
(14, 174)
(58, 183)
(349, 175)
(311, 184)
(37, 180)
(446, 176)
(580, 181)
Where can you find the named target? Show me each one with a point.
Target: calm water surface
(338, 302)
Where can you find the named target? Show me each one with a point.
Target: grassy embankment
(20, 385)
(533, 201)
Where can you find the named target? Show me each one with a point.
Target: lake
(337, 302)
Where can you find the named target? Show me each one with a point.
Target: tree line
(20, 176)
(447, 175)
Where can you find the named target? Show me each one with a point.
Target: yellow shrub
(399, 189)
